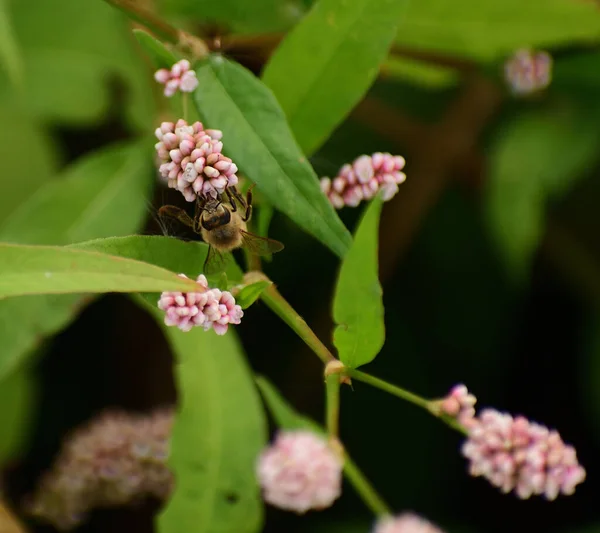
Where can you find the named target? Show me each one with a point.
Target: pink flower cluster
(116, 459)
(179, 77)
(209, 308)
(405, 523)
(299, 471)
(459, 404)
(528, 71)
(364, 178)
(191, 161)
(516, 454)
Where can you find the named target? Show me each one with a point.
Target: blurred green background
(489, 255)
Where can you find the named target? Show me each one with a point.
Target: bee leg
(248, 213)
(177, 213)
(232, 200)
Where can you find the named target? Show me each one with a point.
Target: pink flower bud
(299, 471)
(181, 144)
(162, 75)
(188, 82)
(364, 178)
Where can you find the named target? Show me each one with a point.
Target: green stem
(364, 488)
(428, 405)
(332, 384)
(184, 105)
(388, 387)
(150, 20)
(285, 311)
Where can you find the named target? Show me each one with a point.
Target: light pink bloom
(405, 523)
(516, 454)
(179, 77)
(527, 71)
(209, 308)
(190, 160)
(116, 459)
(364, 178)
(459, 404)
(299, 471)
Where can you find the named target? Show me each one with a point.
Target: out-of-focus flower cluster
(513, 453)
(528, 71)
(405, 523)
(299, 472)
(209, 308)
(362, 179)
(178, 77)
(190, 160)
(115, 460)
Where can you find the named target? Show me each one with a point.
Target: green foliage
(166, 252)
(219, 431)
(69, 55)
(258, 139)
(537, 156)
(160, 55)
(250, 293)
(19, 181)
(326, 64)
(26, 269)
(10, 55)
(102, 194)
(99, 196)
(488, 30)
(358, 305)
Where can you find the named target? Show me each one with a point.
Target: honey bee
(223, 228)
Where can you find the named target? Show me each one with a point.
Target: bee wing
(215, 261)
(260, 245)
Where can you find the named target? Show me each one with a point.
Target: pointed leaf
(250, 293)
(358, 304)
(26, 269)
(326, 64)
(99, 195)
(258, 139)
(219, 430)
(160, 55)
(167, 252)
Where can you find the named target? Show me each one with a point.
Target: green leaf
(488, 30)
(420, 73)
(258, 139)
(358, 304)
(39, 148)
(326, 64)
(10, 55)
(100, 195)
(166, 252)
(537, 156)
(17, 399)
(160, 55)
(283, 413)
(26, 269)
(219, 430)
(250, 293)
